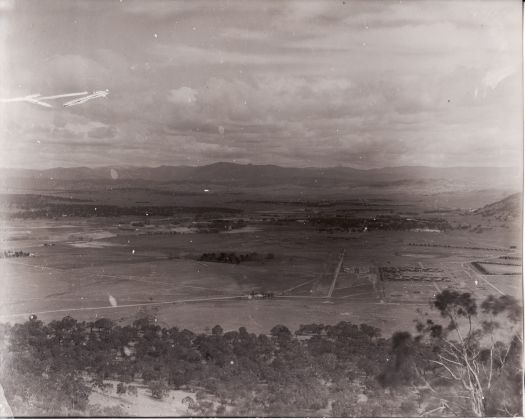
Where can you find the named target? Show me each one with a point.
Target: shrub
(158, 389)
(121, 388)
(132, 390)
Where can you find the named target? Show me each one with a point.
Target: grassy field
(79, 265)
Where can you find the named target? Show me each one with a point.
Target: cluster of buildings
(260, 295)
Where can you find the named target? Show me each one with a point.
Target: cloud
(183, 95)
(161, 9)
(245, 34)
(102, 132)
(182, 55)
(297, 83)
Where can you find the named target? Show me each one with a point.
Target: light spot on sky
(495, 76)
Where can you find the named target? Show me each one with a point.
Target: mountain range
(268, 175)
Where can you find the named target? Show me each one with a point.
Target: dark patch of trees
(52, 210)
(230, 257)
(222, 225)
(382, 222)
(53, 367)
(14, 254)
(30, 201)
(457, 367)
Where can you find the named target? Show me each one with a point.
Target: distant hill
(507, 209)
(267, 179)
(269, 175)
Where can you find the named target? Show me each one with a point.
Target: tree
(159, 389)
(400, 369)
(121, 388)
(281, 332)
(103, 324)
(369, 331)
(149, 375)
(188, 402)
(221, 410)
(470, 356)
(217, 330)
(132, 390)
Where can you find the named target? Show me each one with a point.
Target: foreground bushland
(468, 365)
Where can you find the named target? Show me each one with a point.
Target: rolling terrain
(260, 176)
(139, 235)
(214, 252)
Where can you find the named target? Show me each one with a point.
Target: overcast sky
(353, 83)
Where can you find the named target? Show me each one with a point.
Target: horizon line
(259, 164)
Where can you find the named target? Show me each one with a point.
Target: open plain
(399, 251)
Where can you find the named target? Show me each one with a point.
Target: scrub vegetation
(466, 364)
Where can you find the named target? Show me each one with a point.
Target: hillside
(509, 208)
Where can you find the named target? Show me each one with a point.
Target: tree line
(51, 210)
(234, 258)
(459, 366)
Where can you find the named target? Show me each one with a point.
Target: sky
(293, 83)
